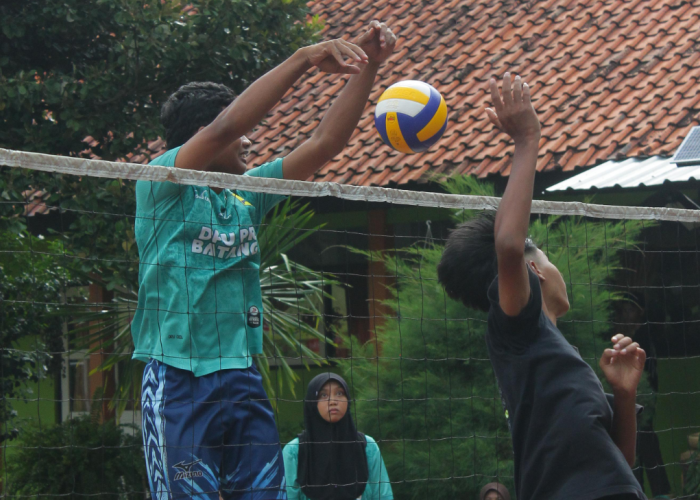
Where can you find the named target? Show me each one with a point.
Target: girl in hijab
(331, 460)
(494, 491)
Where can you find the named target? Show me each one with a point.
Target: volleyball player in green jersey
(208, 427)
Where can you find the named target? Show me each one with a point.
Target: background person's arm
(248, 109)
(513, 114)
(339, 122)
(290, 455)
(378, 484)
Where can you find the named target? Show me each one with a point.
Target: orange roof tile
(610, 78)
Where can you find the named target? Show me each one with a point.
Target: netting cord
(134, 171)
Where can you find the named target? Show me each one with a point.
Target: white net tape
(133, 171)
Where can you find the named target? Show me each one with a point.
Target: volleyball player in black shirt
(568, 442)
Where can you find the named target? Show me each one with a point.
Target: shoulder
(272, 170)
(291, 449)
(372, 449)
(535, 291)
(529, 314)
(167, 159)
(145, 189)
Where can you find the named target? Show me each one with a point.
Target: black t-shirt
(559, 417)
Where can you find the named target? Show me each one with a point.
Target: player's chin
(238, 167)
(562, 306)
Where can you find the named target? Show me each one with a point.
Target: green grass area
(40, 405)
(38, 408)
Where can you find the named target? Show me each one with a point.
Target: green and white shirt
(199, 301)
(378, 485)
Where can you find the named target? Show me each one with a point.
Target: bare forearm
(260, 97)
(513, 218)
(624, 431)
(340, 120)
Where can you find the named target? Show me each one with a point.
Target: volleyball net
(349, 284)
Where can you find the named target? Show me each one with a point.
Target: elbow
(509, 247)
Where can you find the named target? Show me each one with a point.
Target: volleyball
(411, 116)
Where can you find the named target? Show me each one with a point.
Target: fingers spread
(506, 91)
(493, 118)
(518, 90)
(496, 96)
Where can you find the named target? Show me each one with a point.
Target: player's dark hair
(192, 106)
(468, 265)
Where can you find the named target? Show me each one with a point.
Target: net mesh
(349, 285)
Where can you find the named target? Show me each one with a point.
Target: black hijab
(332, 458)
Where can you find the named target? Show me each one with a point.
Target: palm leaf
(292, 294)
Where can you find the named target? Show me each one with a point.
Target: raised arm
(623, 366)
(339, 122)
(513, 114)
(248, 109)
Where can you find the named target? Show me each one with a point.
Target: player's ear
(536, 270)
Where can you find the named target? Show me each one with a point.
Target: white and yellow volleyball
(411, 116)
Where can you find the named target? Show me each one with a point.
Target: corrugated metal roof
(630, 173)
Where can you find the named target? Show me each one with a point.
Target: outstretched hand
(378, 42)
(336, 56)
(623, 364)
(512, 111)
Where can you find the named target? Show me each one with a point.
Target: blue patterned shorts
(210, 435)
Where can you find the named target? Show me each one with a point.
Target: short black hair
(468, 265)
(192, 106)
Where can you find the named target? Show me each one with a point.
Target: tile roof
(611, 79)
(35, 202)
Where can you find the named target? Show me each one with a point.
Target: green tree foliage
(30, 289)
(71, 69)
(77, 458)
(430, 396)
